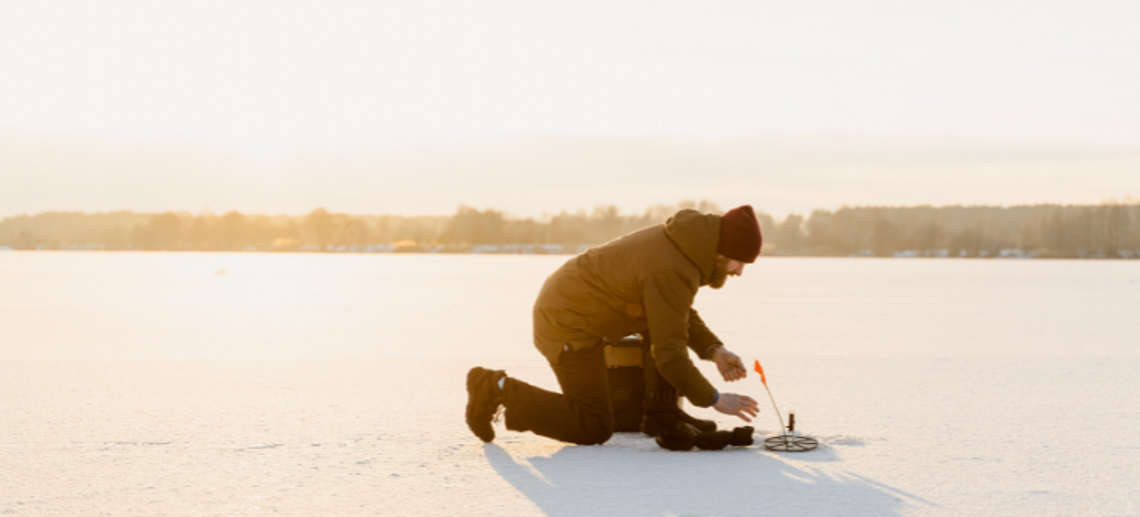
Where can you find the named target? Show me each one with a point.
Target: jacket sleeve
(668, 304)
(701, 339)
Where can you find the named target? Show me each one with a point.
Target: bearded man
(642, 283)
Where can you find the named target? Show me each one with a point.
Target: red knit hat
(740, 237)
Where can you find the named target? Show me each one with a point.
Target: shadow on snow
(625, 481)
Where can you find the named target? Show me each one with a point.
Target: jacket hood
(696, 235)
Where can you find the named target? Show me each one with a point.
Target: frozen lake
(248, 384)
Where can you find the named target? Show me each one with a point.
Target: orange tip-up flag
(760, 370)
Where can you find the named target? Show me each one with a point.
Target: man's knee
(597, 431)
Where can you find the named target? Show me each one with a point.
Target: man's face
(725, 267)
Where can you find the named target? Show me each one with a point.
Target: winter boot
(484, 397)
(661, 412)
(679, 437)
(717, 440)
(662, 403)
(682, 437)
(702, 425)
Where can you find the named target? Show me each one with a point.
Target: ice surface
(143, 384)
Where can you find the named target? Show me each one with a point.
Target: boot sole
(483, 430)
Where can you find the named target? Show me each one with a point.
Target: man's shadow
(643, 480)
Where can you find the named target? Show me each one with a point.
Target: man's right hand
(729, 364)
(741, 406)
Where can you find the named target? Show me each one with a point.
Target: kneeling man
(642, 283)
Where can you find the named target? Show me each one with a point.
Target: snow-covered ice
(143, 384)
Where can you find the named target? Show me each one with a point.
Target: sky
(417, 107)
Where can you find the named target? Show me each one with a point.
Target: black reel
(790, 443)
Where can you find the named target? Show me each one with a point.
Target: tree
(471, 226)
(790, 236)
(319, 229)
(163, 232)
(232, 233)
(884, 237)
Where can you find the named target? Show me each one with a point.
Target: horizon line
(1127, 200)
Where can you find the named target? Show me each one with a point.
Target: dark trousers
(583, 413)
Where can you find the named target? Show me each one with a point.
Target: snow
(1021, 402)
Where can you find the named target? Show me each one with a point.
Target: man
(644, 282)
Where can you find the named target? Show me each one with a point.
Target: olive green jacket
(644, 281)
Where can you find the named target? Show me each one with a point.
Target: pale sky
(92, 94)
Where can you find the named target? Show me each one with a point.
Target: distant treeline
(1108, 230)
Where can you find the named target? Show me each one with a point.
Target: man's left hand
(729, 364)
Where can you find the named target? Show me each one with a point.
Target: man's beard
(719, 274)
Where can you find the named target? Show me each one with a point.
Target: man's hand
(737, 405)
(729, 364)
